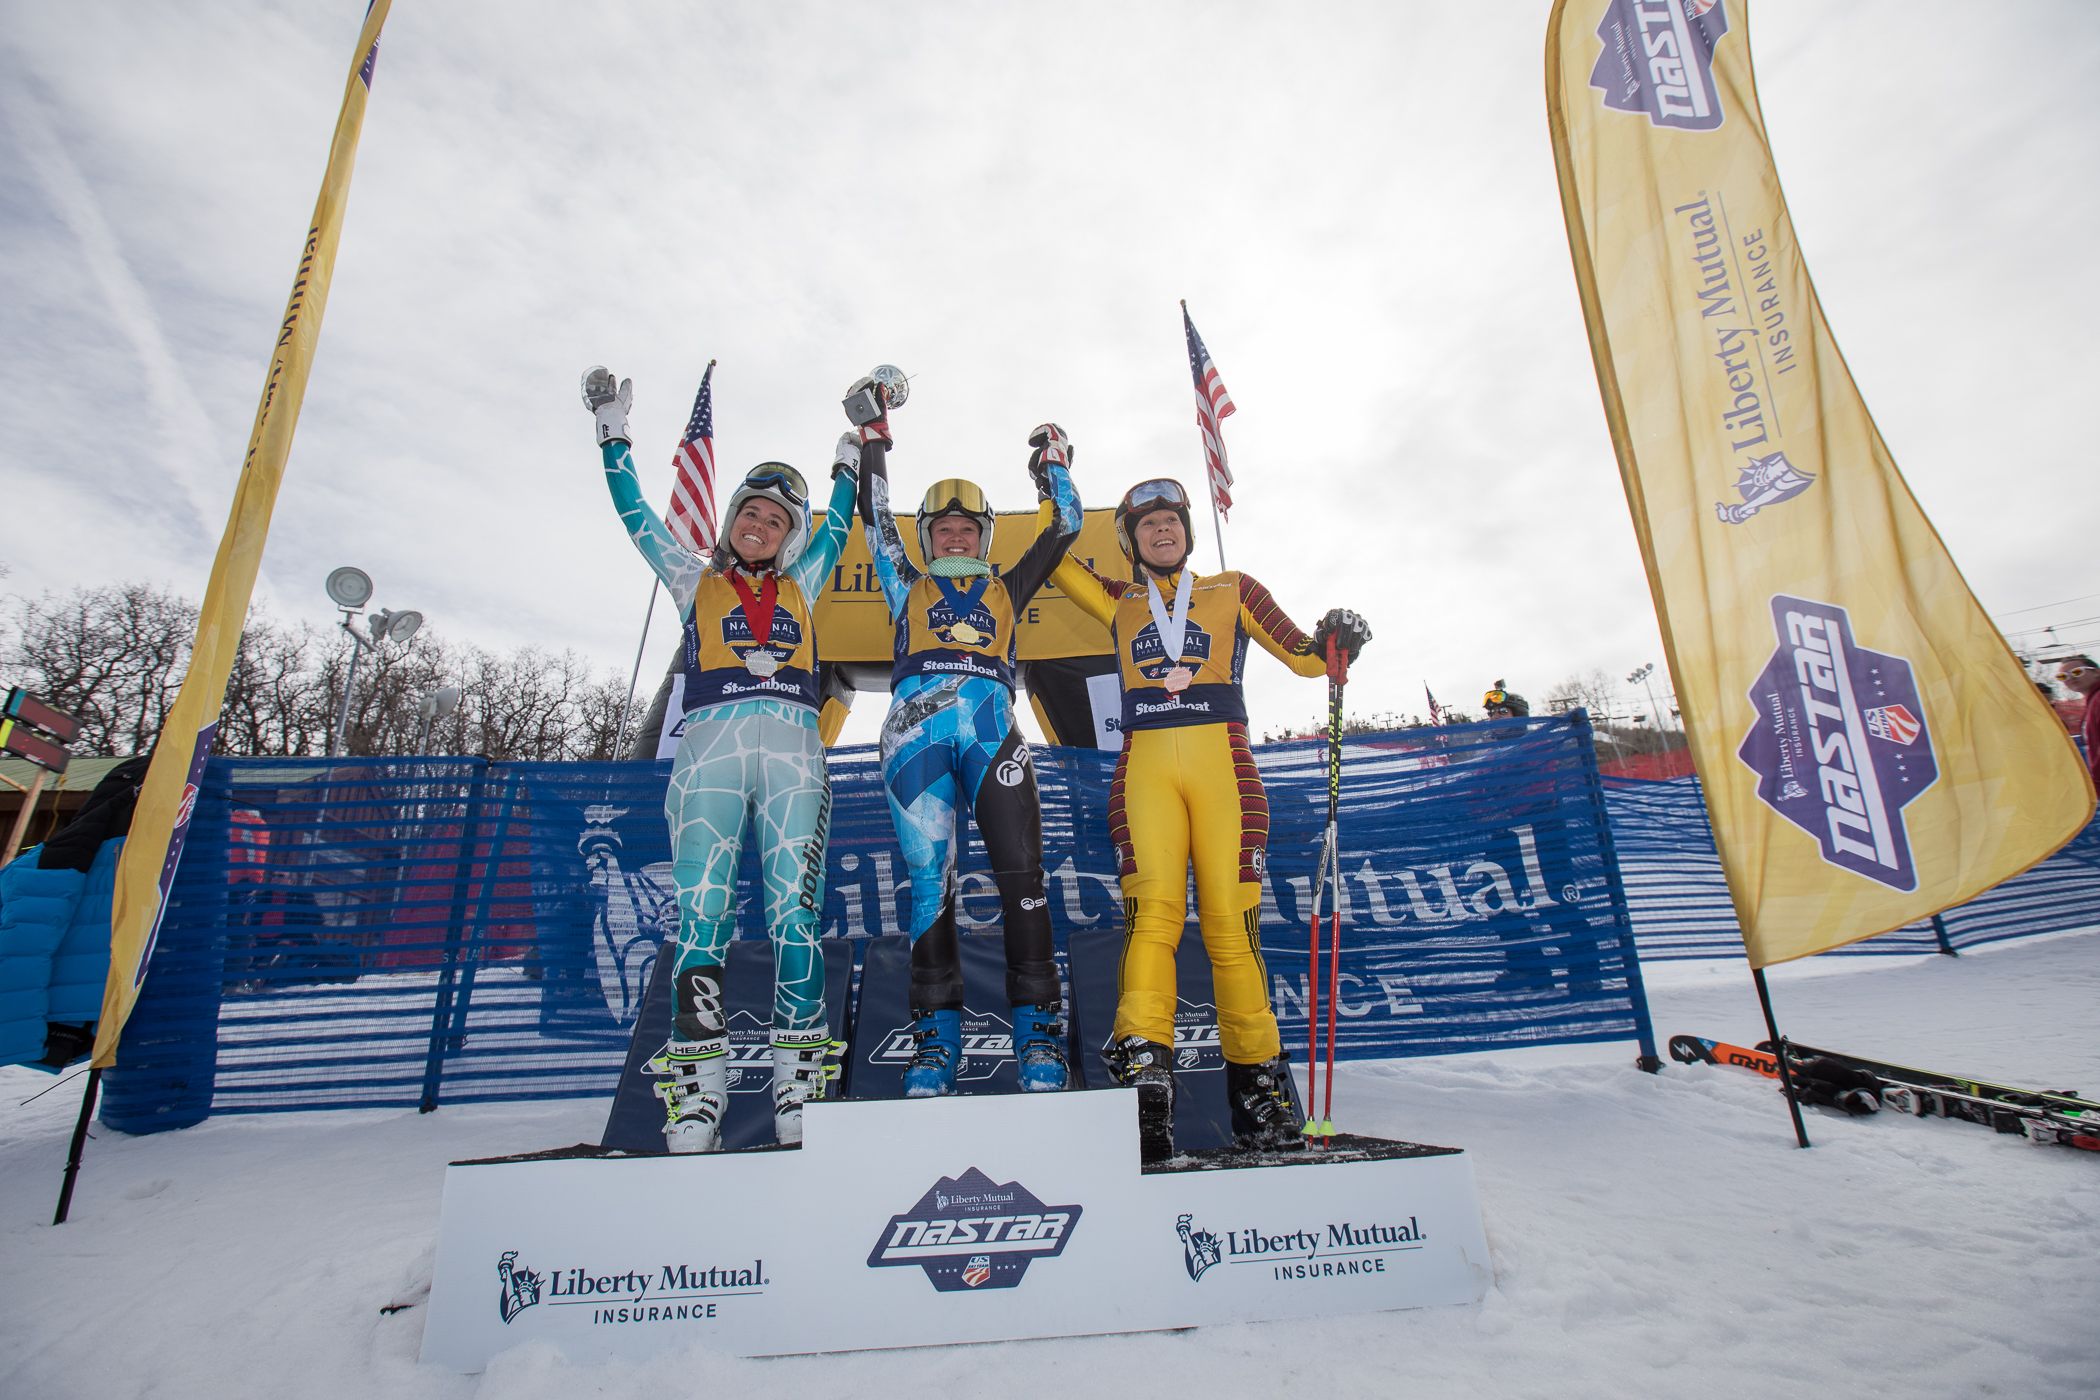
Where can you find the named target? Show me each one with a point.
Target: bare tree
(111, 657)
(115, 657)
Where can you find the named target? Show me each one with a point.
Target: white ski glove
(609, 402)
(846, 460)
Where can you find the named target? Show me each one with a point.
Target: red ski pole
(1320, 1119)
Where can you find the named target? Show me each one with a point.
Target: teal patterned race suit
(750, 752)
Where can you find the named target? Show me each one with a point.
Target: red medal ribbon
(759, 607)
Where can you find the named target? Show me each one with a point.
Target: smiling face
(956, 535)
(1161, 542)
(757, 531)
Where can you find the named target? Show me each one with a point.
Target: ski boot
(799, 1076)
(1039, 1049)
(931, 1072)
(694, 1085)
(1148, 1067)
(1264, 1111)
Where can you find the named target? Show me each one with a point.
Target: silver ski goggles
(779, 476)
(1152, 495)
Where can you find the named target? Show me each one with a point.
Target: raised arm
(1095, 596)
(813, 569)
(878, 521)
(678, 567)
(1050, 466)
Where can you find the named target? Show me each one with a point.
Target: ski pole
(1337, 677)
(1317, 1123)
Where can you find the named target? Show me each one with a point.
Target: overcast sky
(1358, 202)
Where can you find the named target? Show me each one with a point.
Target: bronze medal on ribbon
(1178, 680)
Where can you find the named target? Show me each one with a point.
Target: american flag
(1213, 406)
(1436, 711)
(692, 514)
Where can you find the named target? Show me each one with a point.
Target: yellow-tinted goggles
(955, 494)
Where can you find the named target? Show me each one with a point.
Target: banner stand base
(938, 1221)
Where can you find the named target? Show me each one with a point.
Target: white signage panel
(908, 1223)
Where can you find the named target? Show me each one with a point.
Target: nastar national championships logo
(968, 1232)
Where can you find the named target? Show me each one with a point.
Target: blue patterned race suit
(950, 745)
(750, 752)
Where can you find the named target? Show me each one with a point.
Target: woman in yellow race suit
(1186, 789)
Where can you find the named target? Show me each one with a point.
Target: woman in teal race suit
(750, 752)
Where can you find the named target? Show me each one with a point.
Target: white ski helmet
(955, 497)
(783, 485)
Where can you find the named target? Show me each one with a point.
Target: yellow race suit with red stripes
(1186, 790)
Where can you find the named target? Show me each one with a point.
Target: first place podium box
(932, 1221)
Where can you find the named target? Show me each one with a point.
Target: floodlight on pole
(350, 589)
(1642, 676)
(435, 705)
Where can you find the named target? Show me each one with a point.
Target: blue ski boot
(931, 1072)
(1039, 1049)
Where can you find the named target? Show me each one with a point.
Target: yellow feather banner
(161, 821)
(1871, 751)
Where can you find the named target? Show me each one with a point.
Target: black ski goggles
(779, 476)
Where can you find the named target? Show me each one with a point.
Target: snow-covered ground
(1652, 1235)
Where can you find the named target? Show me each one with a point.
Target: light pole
(438, 704)
(1641, 677)
(350, 589)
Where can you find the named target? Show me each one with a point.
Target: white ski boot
(694, 1085)
(799, 1076)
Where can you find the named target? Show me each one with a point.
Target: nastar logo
(1330, 1249)
(1196, 1042)
(1840, 744)
(1658, 59)
(987, 1043)
(521, 1286)
(969, 1232)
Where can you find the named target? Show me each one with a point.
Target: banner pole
(1779, 1053)
(80, 1132)
(21, 827)
(620, 730)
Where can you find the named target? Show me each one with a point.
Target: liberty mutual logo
(521, 1286)
(1200, 1249)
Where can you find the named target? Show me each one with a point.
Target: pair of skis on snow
(2044, 1116)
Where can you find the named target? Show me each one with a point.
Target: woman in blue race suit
(750, 752)
(950, 745)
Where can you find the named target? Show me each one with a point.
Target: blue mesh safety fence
(1681, 907)
(367, 933)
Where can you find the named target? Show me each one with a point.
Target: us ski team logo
(969, 1232)
(1658, 59)
(1840, 744)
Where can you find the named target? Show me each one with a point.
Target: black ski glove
(1347, 630)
